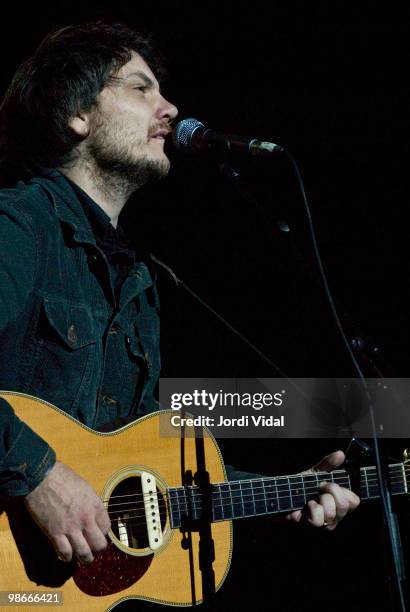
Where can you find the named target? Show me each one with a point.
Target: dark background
(330, 82)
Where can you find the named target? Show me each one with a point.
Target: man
(84, 123)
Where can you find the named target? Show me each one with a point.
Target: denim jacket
(64, 334)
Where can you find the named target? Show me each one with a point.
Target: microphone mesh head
(183, 132)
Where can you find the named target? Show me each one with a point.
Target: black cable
(384, 494)
(180, 283)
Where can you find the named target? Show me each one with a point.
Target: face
(128, 126)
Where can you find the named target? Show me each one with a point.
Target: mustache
(163, 128)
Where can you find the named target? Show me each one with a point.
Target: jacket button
(92, 259)
(109, 400)
(114, 329)
(72, 335)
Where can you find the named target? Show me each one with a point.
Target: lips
(161, 134)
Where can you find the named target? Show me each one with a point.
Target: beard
(113, 152)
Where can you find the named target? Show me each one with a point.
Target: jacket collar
(70, 211)
(66, 204)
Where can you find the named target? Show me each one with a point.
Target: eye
(142, 88)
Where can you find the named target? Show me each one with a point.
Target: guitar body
(109, 461)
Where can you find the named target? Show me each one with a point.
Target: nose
(167, 110)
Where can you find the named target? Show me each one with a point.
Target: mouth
(160, 134)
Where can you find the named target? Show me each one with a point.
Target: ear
(80, 124)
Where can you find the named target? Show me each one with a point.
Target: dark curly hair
(63, 77)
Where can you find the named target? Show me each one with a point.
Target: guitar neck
(260, 496)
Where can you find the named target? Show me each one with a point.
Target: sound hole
(127, 513)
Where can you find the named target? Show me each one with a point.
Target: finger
(295, 516)
(63, 548)
(315, 514)
(103, 521)
(330, 462)
(95, 538)
(328, 504)
(80, 547)
(344, 499)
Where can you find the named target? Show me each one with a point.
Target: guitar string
(274, 482)
(250, 492)
(185, 508)
(343, 475)
(233, 482)
(194, 496)
(270, 478)
(224, 503)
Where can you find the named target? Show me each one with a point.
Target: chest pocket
(67, 356)
(73, 326)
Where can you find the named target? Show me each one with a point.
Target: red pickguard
(111, 571)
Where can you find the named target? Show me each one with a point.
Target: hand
(334, 501)
(70, 513)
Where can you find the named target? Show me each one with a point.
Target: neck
(259, 496)
(109, 192)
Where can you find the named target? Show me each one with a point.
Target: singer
(83, 126)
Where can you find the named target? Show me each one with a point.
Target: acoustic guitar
(171, 510)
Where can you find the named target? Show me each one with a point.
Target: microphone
(191, 136)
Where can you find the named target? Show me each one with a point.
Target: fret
(238, 511)
(271, 495)
(283, 491)
(174, 513)
(258, 496)
(397, 478)
(311, 485)
(366, 484)
(217, 506)
(226, 501)
(264, 495)
(404, 478)
(275, 482)
(374, 487)
(373, 483)
(341, 477)
(304, 489)
(178, 506)
(253, 496)
(244, 500)
(220, 503)
(289, 492)
(247, 498)
(193, 503)
(298, 492)
(321, 477)
(232, 502)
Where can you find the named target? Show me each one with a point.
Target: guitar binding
(126, 505)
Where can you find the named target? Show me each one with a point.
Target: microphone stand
(396, 573)
(371, 355)
(366, 351)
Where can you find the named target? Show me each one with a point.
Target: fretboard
(260, 496)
